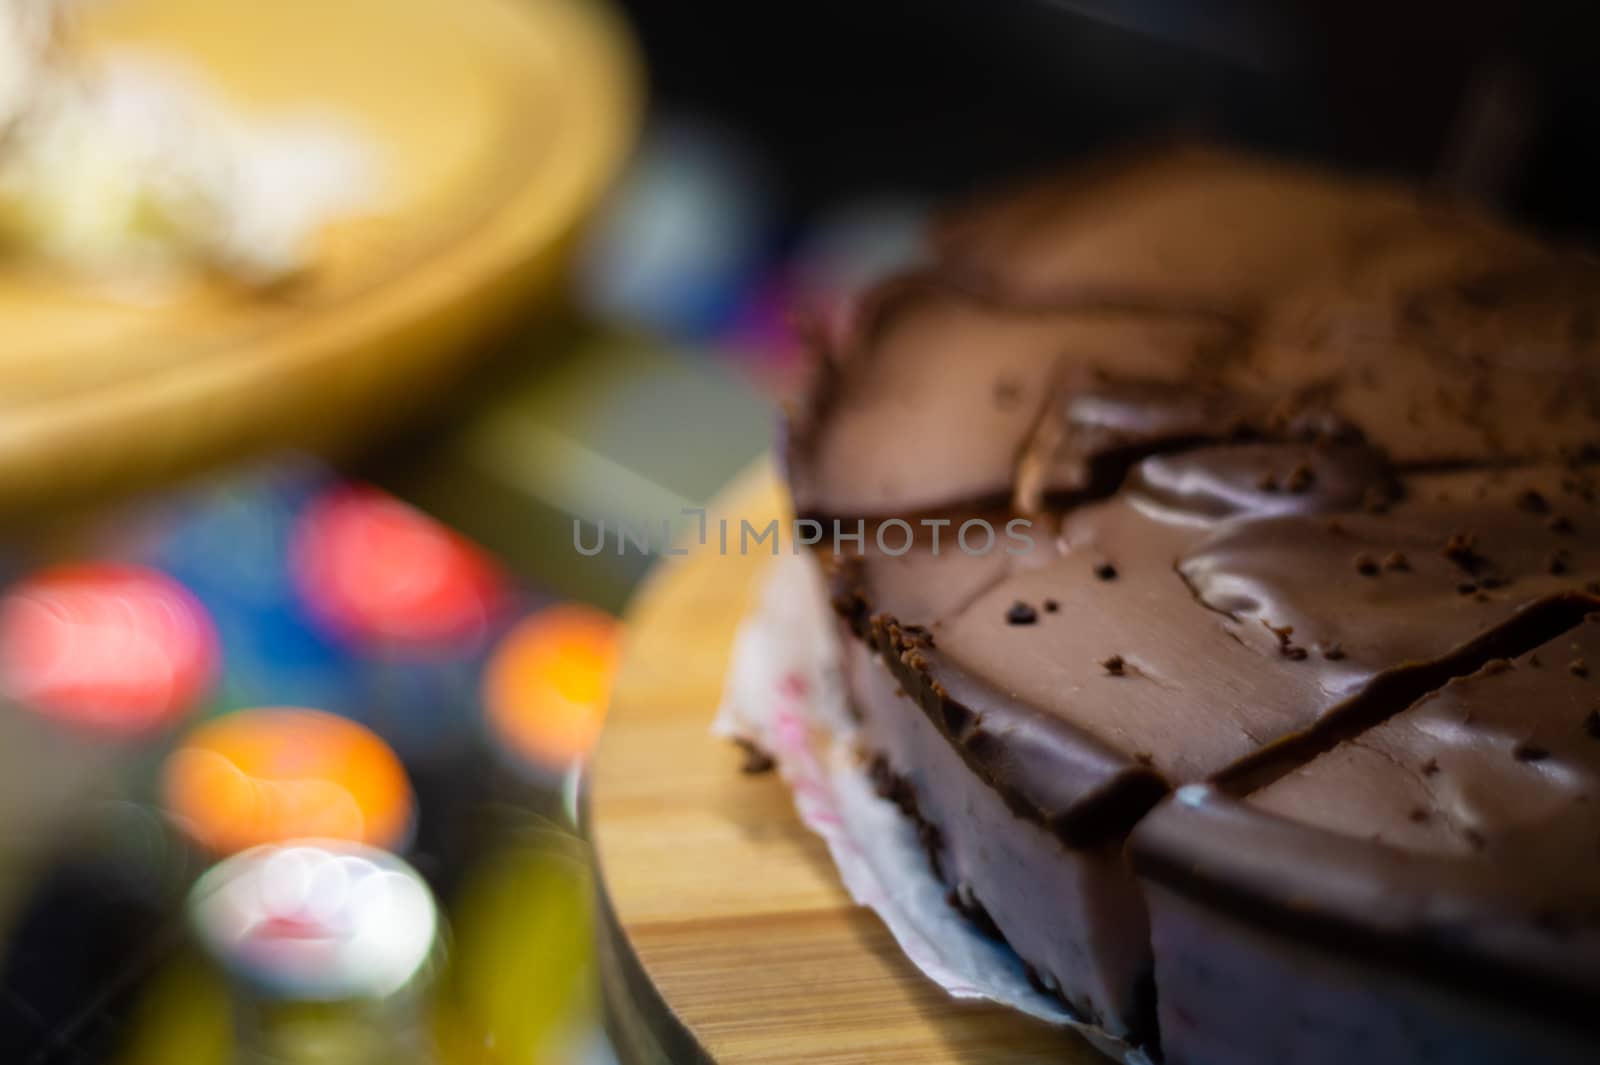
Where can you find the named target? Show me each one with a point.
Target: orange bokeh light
(271, 775)
(548, 684)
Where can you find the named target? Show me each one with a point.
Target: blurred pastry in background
(128, 169)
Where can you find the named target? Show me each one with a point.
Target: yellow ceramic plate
(499, 122)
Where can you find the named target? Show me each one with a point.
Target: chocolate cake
(1253, 692)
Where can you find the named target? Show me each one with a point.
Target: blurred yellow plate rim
(498, 123)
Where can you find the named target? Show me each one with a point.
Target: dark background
(1496, 101)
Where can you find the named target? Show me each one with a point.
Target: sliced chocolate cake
(1426, 891)
(1250, 484)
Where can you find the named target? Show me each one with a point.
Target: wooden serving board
(722, 901)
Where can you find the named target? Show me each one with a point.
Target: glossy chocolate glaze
(1320, 308)
(1241, 635)
(1455, 574)
(1461, 837)
(1297, 453)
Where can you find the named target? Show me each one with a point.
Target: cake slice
(1427, 891)
(1164, 643)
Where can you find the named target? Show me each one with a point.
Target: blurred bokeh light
(548, 683)
(379, 572)
(113, 648)
(270, 775)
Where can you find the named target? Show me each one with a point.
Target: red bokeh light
(115, 648)
(378, 571)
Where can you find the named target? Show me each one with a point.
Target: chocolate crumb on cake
(1021, 613)
(1340, 444)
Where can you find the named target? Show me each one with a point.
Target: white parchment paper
(785, 694)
